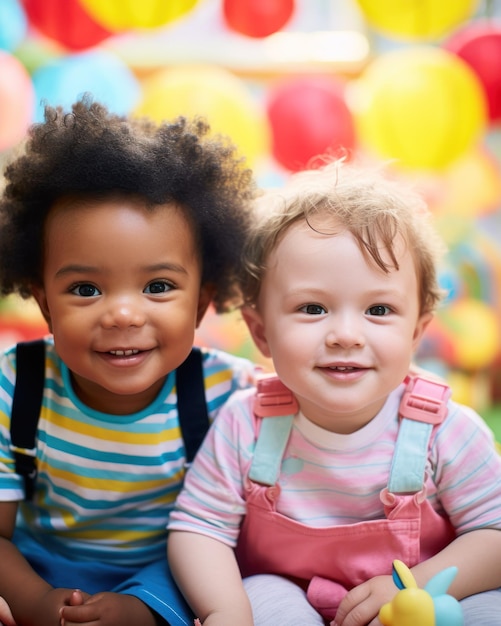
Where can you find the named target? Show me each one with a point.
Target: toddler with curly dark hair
(124, 232)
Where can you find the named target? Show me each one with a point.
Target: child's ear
(421, 326)
(204, 299)
(255, 324)
(41, 299)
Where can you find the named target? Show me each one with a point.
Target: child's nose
(124, 312)
(345, 331)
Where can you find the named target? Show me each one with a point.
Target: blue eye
(378, 310)
(158, 286)
(85, 290)
(313, 309)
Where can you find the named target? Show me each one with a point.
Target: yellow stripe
(217, 378)
(104, 483)
(117, 535)
(107, 434)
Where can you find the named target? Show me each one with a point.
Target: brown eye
(378, 309)
(85, 290)
(313, 309)
(158, 286)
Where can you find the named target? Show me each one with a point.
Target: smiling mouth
(124, 352)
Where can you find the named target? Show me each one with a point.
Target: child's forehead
(330, 227)
(98, 206)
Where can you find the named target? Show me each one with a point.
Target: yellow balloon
(417, 19)
(475, 332)
(474, 390)
(120, 15)
(472, 185)
(214, 94)
(422, 106)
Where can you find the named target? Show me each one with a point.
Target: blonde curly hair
(374, 207)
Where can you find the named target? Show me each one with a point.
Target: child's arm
(33, 601)
(30, 598)
(208, 575)
(475, 554)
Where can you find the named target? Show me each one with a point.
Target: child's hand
(43, 609)
(109, 609)
(361, 605)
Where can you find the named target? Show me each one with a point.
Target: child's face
(341, 332)
(122, 297)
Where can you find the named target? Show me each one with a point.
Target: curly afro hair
(92, 153)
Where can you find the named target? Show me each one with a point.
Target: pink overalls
(328, 562)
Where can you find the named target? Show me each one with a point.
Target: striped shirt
(106, 483)
(329, 479)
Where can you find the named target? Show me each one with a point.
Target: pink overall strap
(273, 401)
(423, 406)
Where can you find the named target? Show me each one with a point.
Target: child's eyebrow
(75, 269)
(171, 267)
(89, 269)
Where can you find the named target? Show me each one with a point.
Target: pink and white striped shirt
(328, 478)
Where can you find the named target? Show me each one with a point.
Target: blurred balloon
(422, 106)
(98, 72)
(309, 117)
(474, 268)
(66, 22)
(479, 44)
(16, 100)
(472, 185)
(213, 93)
(417, 19)
(257, 18)
(121, 15)
(13, 24)
(474, 328)
(37, 51)
(436, 344)
(473, 390)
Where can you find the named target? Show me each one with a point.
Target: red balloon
(257, 18)
(65, 21)
(479, 45)
(309, 117)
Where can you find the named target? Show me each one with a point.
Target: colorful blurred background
(414, 82)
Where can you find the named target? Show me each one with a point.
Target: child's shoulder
(218, 362)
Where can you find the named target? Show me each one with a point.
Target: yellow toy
(431, 606)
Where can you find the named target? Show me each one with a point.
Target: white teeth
(342, 369)
(123, 352)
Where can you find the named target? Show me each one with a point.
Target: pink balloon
(309, 117)
(479, 45)
(16, 100)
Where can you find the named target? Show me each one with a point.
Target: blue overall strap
(275, 405)
(423, 405)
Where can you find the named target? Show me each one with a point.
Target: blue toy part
(439, 584)
(448, 611)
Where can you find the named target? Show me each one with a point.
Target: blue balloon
(99, 73)
(13, 24)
